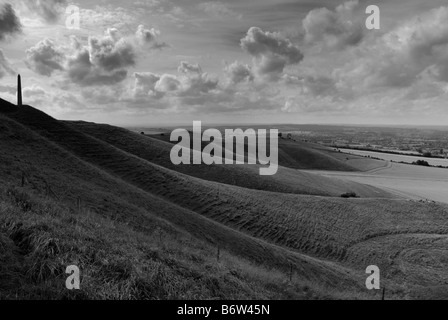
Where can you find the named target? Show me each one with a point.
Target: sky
(169, 62)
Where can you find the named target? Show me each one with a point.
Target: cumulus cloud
(148, 37)
(186, 67)
(103, 61)
(414, 50)
(190, 82)
(48, 10)
(237, 72)
(9, 22)
(111, 52)
(45, 57)
(145, 83)
(196, 91)
(167, 83)
(271, 52)
(338, 28)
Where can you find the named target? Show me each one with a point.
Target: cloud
(103, 61)
(191, 82)
(186, 67)
(196, 91)
(146, 35)
(318, 85)
(145, 84)
(36, 96)
(105, 96)
(10, 89)
(219, 10)
(414, 50)
(9, 22)
(111, 52)
(45, 57)
(198, 84)
(237, 72)
(149, 37)
(101, 17)
(167, 83)
(336, 29)
(48, 10)
(33, 91)
(271, 52)
(5, 67)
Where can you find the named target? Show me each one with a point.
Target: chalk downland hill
(310, 156)
(109, 201)
(156, 149)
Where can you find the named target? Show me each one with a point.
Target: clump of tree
(349, 195)
(421, 163)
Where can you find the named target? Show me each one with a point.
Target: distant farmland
(396, 157)
(409, 181)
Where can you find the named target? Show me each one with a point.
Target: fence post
(218, 253)
(384, 292)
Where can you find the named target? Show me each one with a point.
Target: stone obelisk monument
(19, 91)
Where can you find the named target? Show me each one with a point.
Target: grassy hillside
(82, 178)
(304, 155)
(286, 180)
(39, 237)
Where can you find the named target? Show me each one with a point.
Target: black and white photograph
(223, 155)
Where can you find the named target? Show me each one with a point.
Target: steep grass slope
(327, 241)
(40, 237)
(71, 177)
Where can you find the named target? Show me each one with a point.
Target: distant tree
(427, 154)
(280, 135)
(349, 195)
(421, 163)
(289, 136)
(142, 133)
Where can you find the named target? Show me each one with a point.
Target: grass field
(109, 200)
(409, 181)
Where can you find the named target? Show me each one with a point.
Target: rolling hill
(156, 149)
(303, 155)
(76, 192)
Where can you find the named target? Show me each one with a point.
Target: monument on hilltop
(19, 91)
